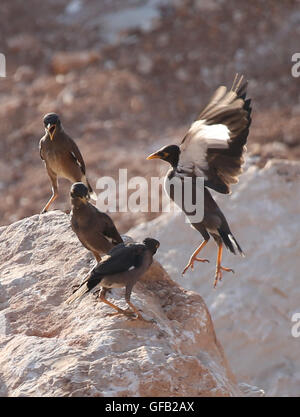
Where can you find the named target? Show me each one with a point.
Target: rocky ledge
(51, 349)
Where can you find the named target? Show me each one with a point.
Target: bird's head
(152, 244)
(168, 153)
(80, 191)
(52, 123)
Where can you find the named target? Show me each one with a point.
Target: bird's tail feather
(78, 293)
(230, 242)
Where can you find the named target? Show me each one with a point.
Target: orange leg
(219, 268)
(119, 310)
(194, 258)
(97, 256)
(133, 309)
(136, 311)
(53, 178)
(52, 199)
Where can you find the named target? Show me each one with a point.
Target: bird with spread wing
(213, 149)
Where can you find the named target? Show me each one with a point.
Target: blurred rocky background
(128, 76)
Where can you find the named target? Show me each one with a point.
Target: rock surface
(251, 309)
(51, 349)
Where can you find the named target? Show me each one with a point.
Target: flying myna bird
(95, 230)
(61, 156)
(213, 149)
(122, 267)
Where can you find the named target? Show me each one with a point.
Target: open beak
(154, 155)
(51, 130)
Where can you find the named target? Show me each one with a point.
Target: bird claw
(191, 263)
(227, 269)
(201, 260)
(219, 274)
(134, 315)
(117, 313)
(140, 317)
(131, 315)
(152, 321)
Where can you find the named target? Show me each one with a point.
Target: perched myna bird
(122, 267)
(213, 149)
(61, 156)
(95, 230)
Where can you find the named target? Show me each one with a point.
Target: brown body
(62, 159)
(58, 158)
(95, 230)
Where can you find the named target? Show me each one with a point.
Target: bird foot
(219, 273)
(191, 263)
(138, 316)
(131, 315)
(152, 321)
(126, 312)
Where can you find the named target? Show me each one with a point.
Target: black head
(79, 190)
(51, 123)
(152, 244)
(168, 153)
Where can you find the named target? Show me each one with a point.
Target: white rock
(48, 348)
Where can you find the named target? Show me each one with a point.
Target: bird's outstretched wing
(214, 145)
(120, 259)
(76, 154)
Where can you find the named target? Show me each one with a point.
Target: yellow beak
(153, 156)
(84, 200)
(49, 130)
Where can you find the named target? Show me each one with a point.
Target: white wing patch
(75, 157)
(216, 136)
(200, 138)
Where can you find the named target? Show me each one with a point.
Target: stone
(48, 348)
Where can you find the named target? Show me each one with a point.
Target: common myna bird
(95, 230)
(213, 149)
(61, 156)
(122, 267)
